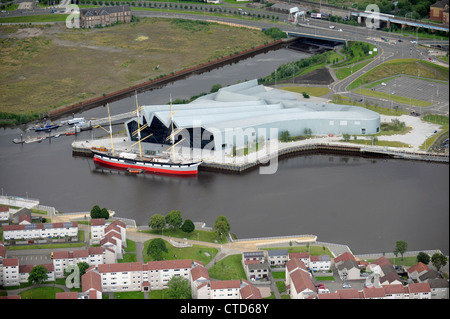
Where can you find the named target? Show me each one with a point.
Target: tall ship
(137, 163)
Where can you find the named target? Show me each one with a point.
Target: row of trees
(438, 260)
(174, 221)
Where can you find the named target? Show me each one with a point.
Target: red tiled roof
(169, 264)
(301, 281)
(91, 280)
(250, 292)
(344, 257)
(9, 262)
(199, 272)
(97, 221)
(295, 263)
(225, 284)
(394, 289)
(374, 293)
(419, 267)
(298, 255)
(4, 209)
(27, 268)
(382, 261)
(348, 294)
(66, 295)
(419, 287)
(331, 295)
(107, 268)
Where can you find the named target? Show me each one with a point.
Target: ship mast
(139, 127)
(110, 130)
(173, 135)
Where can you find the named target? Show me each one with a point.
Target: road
(387, 50)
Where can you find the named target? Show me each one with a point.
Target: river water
(367, 204)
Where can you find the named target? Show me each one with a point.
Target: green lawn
(129, 295)
(36, 18)
(201, 235)
(393, 97)
(203, 254)
(313, 250)
(44, 292)
(228, 268)
(310, 90)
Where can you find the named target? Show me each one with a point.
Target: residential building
(37, 231)
(24, 272)
(438, 10)
(304, 257)
(93, 256)
(225, 289)
(277, 257)
(419, 269)
(97, 230)
(348, 270)
(439, 288)
(256, 270)
(320, 263)
(254, 255)
(4, 213)
(93, 17)
(398, 291)
(298, 280)
(10, 272)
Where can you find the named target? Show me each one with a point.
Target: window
(343, 123)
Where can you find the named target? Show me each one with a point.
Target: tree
(96, 212)
(156, 248)
(178, 288)
(400, 247)
(215, 88)
(157, 222)
(285, 136)
(174, 219)
(222, 226)
(188, 226)
(38, 275)
(423, 258)
(438, 260)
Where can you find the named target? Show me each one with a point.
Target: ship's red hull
(151, 169)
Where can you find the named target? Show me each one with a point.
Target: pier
(243, 164)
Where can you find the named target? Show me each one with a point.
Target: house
(391, 278)
(277, 257)
(419, 291)
(419, 269)
(256, 270)
(374, 293)
(97, 230)
(437, 10)
(93, 256)
(199, 279)
(320, 263)
(304, 257)
(9, 272)
(225, 289)
(343, 258)
(439, 288)
(253, 255)
(92, 17)
(348, 270)
(396, 291)
(24, 272)
(4, 213)
(248, 291)
(298, 280)
(39, 231)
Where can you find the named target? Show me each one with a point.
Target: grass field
(55, 66)
(402, 66)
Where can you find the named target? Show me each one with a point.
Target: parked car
(331, 26)
(346, 285)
